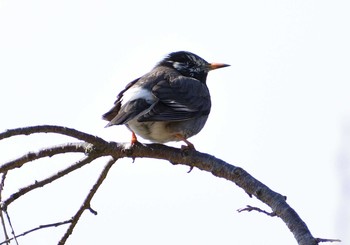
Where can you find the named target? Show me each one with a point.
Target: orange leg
(189, 144)
(133, 138)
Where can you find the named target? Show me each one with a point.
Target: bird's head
(190, 65)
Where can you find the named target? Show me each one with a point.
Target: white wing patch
(137, 93)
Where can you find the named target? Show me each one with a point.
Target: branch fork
(93, 147)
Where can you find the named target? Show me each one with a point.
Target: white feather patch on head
(197, 60)
(179, 65)
(137, 93)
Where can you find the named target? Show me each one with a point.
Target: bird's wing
(127, 106)
(180, 99)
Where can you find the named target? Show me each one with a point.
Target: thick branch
(222, 169)
(191, 158)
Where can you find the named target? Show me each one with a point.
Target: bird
(170, 103)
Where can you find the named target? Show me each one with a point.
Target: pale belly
(162, 132)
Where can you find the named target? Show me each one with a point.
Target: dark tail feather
(112, 113)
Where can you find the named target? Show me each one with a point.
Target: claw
(185, 148)
(191, 168)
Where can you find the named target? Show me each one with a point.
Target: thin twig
(2, 184)
(250, 208)
(86, 204)
(54, 129)
(10, 223)
(38, 228)
(327, 240)
(46, 152)
(41, 183)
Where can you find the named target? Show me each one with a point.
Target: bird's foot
(188, 146)
(128, 148)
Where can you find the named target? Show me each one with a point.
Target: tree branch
(2, 184)
(250, 208)
(86, 204)
(48, 180)
(11, 226)
(47, 152)
(53, 129)
(192, 158)
(222, 169)
(327, 240)
(37, 228)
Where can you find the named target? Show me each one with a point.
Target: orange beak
(213, 66)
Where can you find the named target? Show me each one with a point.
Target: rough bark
(94, 147)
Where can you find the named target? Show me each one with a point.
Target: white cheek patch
(137, 93)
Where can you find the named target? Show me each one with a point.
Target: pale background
(281, 111)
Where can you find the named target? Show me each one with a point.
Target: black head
(190, 65)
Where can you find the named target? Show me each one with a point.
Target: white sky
(281, 111)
